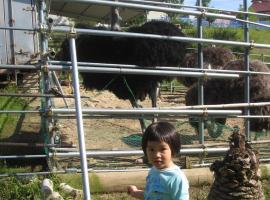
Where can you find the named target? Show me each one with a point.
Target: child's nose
(158, 154)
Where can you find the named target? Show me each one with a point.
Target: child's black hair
(162, 131)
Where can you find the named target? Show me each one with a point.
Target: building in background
(261, 6)
(154, 15)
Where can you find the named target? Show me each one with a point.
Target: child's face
(159, 154)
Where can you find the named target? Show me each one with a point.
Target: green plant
(12, 170)
(20, 188)
(75, 181)
(265, 181)
(8, 122)
(250, 17)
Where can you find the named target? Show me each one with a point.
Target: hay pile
(236, 177)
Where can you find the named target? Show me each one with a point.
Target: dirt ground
(107, 133)
(104, 133)
(112, 133)
(101, 133)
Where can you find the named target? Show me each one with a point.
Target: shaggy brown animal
(213, 58)
(236, 177)
(224, 91)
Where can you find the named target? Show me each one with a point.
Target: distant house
(222, 22)
(154, 15)
(261, 6)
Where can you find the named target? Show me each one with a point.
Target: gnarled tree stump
(236, 177)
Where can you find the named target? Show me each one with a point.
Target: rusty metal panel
(3, 44)
(24, 14)
(21, 46)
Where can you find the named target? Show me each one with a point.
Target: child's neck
(171, 164)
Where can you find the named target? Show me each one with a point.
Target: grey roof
(98, 13)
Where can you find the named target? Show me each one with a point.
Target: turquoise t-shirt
(167, 184)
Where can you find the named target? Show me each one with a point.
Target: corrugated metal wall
(17, 46)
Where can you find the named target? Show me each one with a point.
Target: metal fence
(47, 70)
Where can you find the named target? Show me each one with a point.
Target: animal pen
(25, 48)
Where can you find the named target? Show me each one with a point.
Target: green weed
(8, 121)
(20, 188)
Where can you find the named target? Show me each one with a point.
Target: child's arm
(134, 192)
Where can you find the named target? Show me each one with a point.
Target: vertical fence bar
(247, 77)
(80, 129)
(200, 65)
(262, 57)
(45, 102)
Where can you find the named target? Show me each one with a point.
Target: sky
(222, 4)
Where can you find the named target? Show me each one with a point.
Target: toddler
(165, 180)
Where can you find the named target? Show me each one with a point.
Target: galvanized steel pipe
(142, 111)
(152, 8)
(164, 37)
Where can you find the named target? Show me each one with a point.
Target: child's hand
(135, 192)
(131, 189)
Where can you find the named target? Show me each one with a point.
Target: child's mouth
(158, 162)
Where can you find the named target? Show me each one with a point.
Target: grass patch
(266, 188)
(75, 180)
(24, 188)
(112, 196)
(95, 183)
(231, 34)
(12, 170)
(8, 122)
(20, 188)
